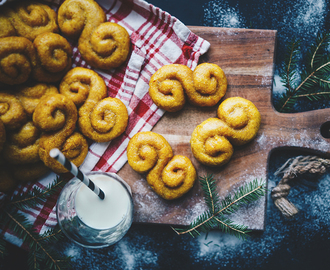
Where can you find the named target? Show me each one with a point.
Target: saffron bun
(56, 117)
(102, 44)
(169, 176)
(12, 113)
(30, 19)
(54, 57)
(101, 118)
(238, 123)
(204, 86)
(17, 60)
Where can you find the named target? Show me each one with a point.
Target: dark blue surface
(300, 243)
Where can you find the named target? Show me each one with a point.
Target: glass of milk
(89, 221)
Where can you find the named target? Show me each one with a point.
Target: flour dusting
(221, 14)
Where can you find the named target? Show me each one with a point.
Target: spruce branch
(314, 76)
(34, 237)
(211, 198)
(211, 219)
(36, 195)
(41, 253)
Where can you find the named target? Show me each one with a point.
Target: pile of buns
(44, 101)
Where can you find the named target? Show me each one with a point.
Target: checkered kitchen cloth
(157, 39)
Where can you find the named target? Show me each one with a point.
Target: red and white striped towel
(157, 39)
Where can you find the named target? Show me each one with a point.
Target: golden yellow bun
(170, 177)
(101, 118)
(168, 84)
(56, 116)
(30, 96)
(210, 85)
(12, 112)
(54, 55)
(103, 45)
(238, 123)
(21, 154)
(7, 29)
(242, 116)
(204, 86)
(17, 60)
(209, 143)
(22, 145)
(31, 18)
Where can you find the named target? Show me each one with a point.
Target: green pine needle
(314, 75)
(211, 197)
(216, 216)
(41, 254)
(36, 195)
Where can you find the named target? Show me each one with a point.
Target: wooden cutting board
(247, 58)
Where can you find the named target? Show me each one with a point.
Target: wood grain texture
(247, 58)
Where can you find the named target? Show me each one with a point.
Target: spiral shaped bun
(103, 45)
(17, 59)
(242, 116)
(168, 84)
(170, 177)
(30, 96)
(210, 85)
(211, 141)
(108, 46)
(22, 146)
(101, 118)
(203, 87)
(31, 19)
(54, 54)
(12, 112)
(56, 116)
(76, 16)
(7, 29)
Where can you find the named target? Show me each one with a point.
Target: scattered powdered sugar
(134, 256)
(302, 19)
(220, 13)
(125, 255)
(214, 242)
(150, 207)
(294, 138)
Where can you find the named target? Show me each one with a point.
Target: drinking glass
(77, 208)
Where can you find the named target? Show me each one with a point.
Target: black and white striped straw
(57, 154)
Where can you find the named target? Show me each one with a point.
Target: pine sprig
(41, 255)
(208, 185)
(216, 216)
(290, 65)
(314, 75)
(36, 195)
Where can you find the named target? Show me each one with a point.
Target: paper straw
(57, 154)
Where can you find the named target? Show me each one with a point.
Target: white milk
(102, 214)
